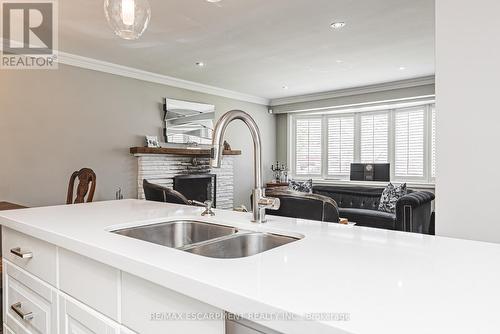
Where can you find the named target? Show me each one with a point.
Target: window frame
(293, 144)
(425, 145)
(432, 140)
(391, 112)
(326, 122)
(358, 132)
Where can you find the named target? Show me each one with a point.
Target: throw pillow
(301, 186)
(390, 196)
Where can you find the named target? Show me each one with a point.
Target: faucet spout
(260, 202)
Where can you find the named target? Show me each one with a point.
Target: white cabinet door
(148, 308)
(76, 318)
(93, 283)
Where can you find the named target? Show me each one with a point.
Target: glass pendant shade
(128, 18)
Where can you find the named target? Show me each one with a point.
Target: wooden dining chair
(86, 186)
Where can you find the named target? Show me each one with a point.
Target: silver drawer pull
(23, 255)
(18, 309)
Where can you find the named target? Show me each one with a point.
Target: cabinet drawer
(30, 304)
(39, 256)
(76, 318)
(93, 283)
(145, 306)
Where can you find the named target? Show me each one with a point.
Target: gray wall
(282, 137)
(282, 115)
(55, 122)
(468, 119)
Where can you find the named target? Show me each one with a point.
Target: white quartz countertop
(388, 282)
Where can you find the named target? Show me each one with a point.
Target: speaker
(371, 172)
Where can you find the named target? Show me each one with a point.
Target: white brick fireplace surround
(161, 168)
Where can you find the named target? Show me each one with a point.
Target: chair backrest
(86, 186)
(304, 206)
(157, 193)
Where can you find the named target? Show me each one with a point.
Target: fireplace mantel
(179, 151)
(161, 165)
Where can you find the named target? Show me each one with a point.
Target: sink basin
(241, 245)
(178, 234)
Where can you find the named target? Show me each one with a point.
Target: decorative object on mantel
(280, 172)
(188, 123)
(227, 147)
(152, 142)
(128, 18)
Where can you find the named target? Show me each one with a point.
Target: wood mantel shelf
(178, 151)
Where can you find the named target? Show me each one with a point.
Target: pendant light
(128, 18)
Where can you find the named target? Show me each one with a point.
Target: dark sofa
(360, 205)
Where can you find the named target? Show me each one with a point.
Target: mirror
(188, 123)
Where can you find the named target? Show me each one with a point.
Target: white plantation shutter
(340, 145)
(308, 146)
(433, 141)
(326, 144)
(409, 142)
(375, 138)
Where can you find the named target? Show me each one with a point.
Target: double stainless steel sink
(210, 240)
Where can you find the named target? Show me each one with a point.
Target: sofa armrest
(413, 212)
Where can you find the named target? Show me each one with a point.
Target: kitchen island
(69, 273)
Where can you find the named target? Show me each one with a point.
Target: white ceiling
(258, 46)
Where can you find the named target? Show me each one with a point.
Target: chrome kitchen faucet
(259, 200)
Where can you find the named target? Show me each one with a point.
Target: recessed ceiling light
(339, 61)
(200, 64)
(402, 68)
(285, 87)
(213, 0)
(338, 25)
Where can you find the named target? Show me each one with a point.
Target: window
(375, 138)
(325, 145)
(340, 145)
(409, 143)
(308, 146)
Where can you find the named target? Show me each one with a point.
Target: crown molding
(429, 80)
(134, 73)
